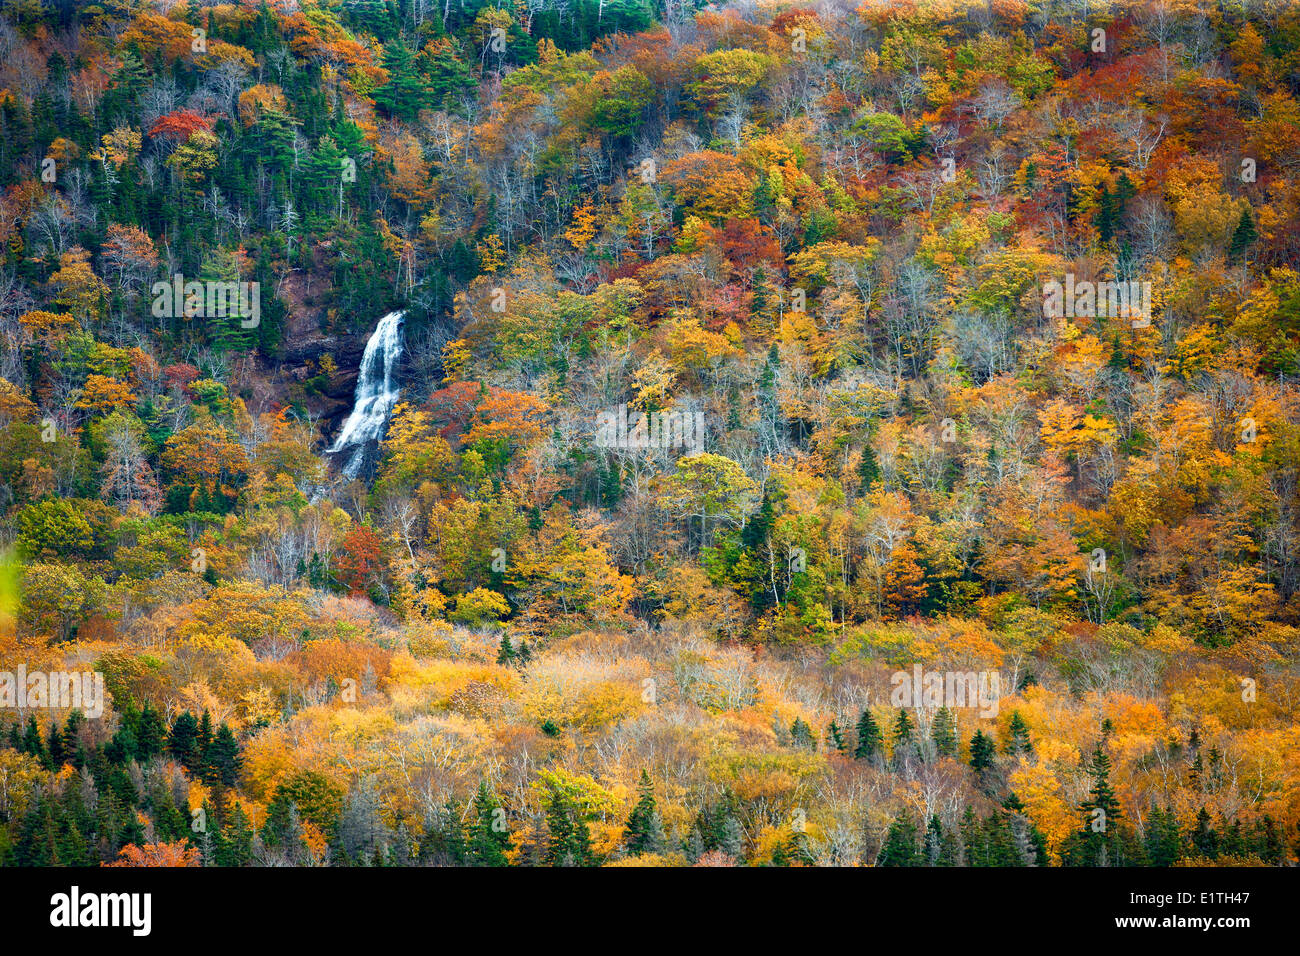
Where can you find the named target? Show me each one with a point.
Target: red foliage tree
(361, 563)
(179, 125)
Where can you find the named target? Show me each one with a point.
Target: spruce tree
(644, 832)
(54, 745)
(1101, 840)
(505, 653)
(900, 847)
(34, 745)
(236, 846)
(981, 752)
(732, 841)
(569, 842)
(183, 741)
(1018, 736)
(1243, 236)
(489, 836)
(405, 94)
(835, 738)
(934, 843)
(149, 734)
(902, 728)
(943, 732)
(973, 849)
(1163, 841)
(1205, 839)
(224, 761)
(203, 743)
(869, 737)
(801, 735)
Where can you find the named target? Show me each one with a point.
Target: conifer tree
(150, 733)
(981, 752)
(224, 761)
(505, 653)
(236, 846)
(405, 94)
(1101, 840)
(489, 836)
(801, 734)
(34, 745)
(1243, 236)
(902, 728)
(900, 847)
(1204, 838)
(1018, 736)
(54, 745)
(183, 740)
(869, 737)
(203, 739)
(569, 841)
(644, 832)
(943, 732)
(835, 738)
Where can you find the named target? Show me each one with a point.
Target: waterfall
(377, 393)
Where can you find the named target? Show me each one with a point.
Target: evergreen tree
(72, 746)
(203, 741)
(801, 735)
(1162, 839)
(1018, 736)
(224, 761)
(149, 734)
(1101, 840)
(981, 752)
(1028, 841)
(34, 745)
(869, 737)
(1204, 838)
(404, 95)
(54, 745)
(569, 841)
(1106, 214)
(900, 847)
(38, 835)
(644, 832)
(732, 841)
(902, 728)
(793, 851)
(940, 849)
(943, 731)
(489, 836)
(869, 467)
(362, 836)
(444, 837)
(1243, 236)
(506, 653)
(236, 845)
(183, 741)
(835, 738)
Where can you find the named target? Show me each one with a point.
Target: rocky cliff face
(299, 377)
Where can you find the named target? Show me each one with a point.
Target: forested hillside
(830, 433)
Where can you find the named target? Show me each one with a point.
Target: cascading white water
(377, 392)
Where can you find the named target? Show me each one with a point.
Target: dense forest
(830, 433)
